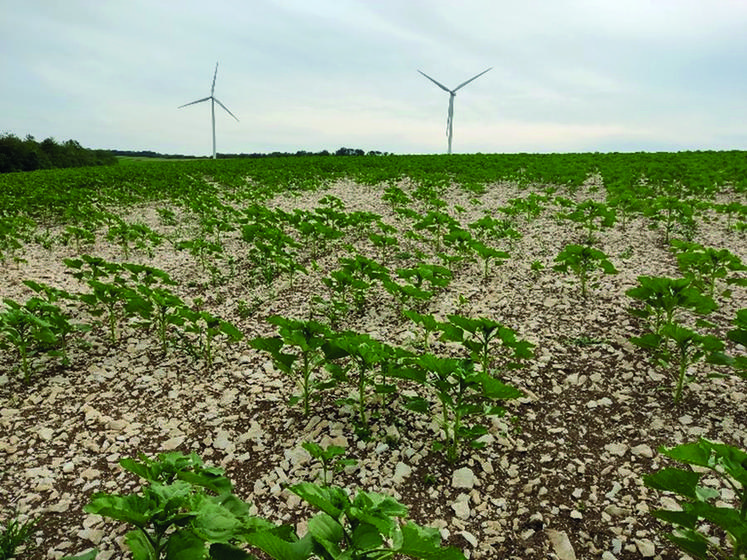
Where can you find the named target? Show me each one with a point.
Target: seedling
(488, 254)
(396, 197)
(427, 322)
(663, 298)
(14, 534)
(704, 265)
(384, 242)
(481, 336)
(205, 251)
(585, 263)
(702, 507)
(183, 509)
(14, 232)
(488, 228)
(674, 214)
(461, 243)
(463, 393)
(415, 290)
(207, 327)
(593, 216)
(165, 310)
(436, 223)
(689, 348)
(22, 329)
(536, 268)
(81, 235)
(365, 353)
(330, 457)
(305, 339)
(739, 337)
(129, 236)
(530, 206)
(365, 526)
(115, 300)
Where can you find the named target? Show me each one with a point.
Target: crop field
(478, 356)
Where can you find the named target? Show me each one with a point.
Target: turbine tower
(452, 94)
(213, 100)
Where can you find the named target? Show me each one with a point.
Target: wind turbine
(213, 100)
(452, 94)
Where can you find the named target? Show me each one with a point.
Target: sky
(567, 75)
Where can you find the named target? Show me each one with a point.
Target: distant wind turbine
(452, 94)
(213, 100)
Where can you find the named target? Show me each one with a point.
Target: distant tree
(28, 154)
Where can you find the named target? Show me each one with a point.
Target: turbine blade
(450, 117)
(226, 108)
(215, 75)
(443, 87)
(472, 78)
(193, 102)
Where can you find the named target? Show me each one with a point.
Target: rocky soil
(560, 476)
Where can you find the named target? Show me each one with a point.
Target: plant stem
(361, 395)
(453, 452)
(681, 377)
(306, 375)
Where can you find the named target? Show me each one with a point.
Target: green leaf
(132, 508)
(728, 519)
(679, 518)
(424, 542)
(417, 404)
(495, 389)
(223, 551)
(698, 453)
(140, 546)
(675, 480)
(278, 548)
(326, 531)
(231, 331)
(214, 523)
(329, 500)
(693, 544)
(185, 545)
(366, 537)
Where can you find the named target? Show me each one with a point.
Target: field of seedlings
(441, 357)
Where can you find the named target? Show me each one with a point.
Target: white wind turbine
(213, 100)
(452, 94)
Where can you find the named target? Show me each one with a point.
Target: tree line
(27, 154)
(340, 152)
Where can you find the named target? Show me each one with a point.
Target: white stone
(401, 472)
(642, 450)
(173, 443)
(92, 535)
(461, 506)
(618, 449)
(646, 548)
(470, 538)
(297, 456)
(46, 434)
(561, 544)
(222, 440)
(463, 478)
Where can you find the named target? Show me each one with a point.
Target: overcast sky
(568, 75)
